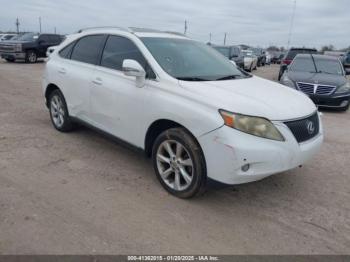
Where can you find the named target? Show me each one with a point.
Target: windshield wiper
(325, 72)
(191, 79)
(228, 77)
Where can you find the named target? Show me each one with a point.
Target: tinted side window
(117, 50)
(44, 38)
(88, 49)
(55, 39)
(67, 51)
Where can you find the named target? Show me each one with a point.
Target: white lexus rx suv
(186, 106)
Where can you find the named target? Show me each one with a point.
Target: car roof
(316, 56)
(302, 48)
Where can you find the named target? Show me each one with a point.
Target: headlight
(344, 88)
(256, 126)
(18, 47)
(287, 82)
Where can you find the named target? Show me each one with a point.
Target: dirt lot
(81, 193)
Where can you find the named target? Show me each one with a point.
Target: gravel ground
(81, 193)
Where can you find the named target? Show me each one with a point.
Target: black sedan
(320, 77)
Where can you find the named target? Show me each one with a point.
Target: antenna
(185, 31)
(17, 25)
(291, 24)
(40, 24)
(225, 38)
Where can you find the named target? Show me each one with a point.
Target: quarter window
(88, 49)
(66, 52)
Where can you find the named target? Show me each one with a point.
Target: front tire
(179, 163)
(31, 57)
(345, 108)
(59, 113)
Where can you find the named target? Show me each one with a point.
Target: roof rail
(104, 27)
(131, 30)
(149, 30)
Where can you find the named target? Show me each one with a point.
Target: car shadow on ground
(271, 186)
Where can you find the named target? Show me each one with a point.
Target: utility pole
(225, 39)
(40, 24)
(185, 31)
(17, 25)
(210, 38)
(55, 30)
(291, 24)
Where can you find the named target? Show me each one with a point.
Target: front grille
(315, 89)
(325, 90)
(304, 129)
(306, 88)
(7, 48)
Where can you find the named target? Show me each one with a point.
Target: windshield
(307, 64)
(257, 51)
(28, 37)
(8, 37)
(235, 51)
(189, 60)
(223, 50)
(329, 67)
(293, 53)
(248, 53)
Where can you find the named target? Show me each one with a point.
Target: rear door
(75, 72)
(43, 42)
(55, 40)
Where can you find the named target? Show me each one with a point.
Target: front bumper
(227, 150)
(333, 101)
(15, 55)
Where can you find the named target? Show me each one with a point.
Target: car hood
(317, 78)
(252, 96)
(9, 42)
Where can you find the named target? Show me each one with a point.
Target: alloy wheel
(57, 111)
(32, 57)
(175, 165)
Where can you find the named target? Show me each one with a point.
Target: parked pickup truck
(28, 47)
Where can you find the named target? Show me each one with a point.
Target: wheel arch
(158, 127)
(48, 91)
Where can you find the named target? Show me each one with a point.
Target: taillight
(286, 62)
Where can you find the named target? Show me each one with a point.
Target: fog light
(245, 168)
(344, 103)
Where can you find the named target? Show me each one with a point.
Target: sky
(253, 22)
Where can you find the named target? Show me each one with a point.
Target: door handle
(97, 81)
(62, 71)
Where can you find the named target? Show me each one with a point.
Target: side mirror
(133, 68)
(41, 42)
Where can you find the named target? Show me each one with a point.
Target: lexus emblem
(310, 127)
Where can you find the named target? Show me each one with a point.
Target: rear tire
(10, 60)
(59, 112)
(179, 163)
